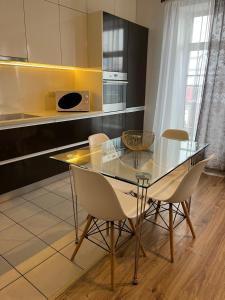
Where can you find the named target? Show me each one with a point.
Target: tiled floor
(36, 242)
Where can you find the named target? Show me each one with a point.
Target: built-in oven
(114, 91)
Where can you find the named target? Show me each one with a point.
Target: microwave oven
(72, 100)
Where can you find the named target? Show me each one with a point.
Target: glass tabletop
(113, 159)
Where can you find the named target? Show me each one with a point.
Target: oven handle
(114, 82)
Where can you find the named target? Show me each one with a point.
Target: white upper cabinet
(73, 29)
(43, 35)
(126, 9)
(75, 4)
(105, 5)
(12, 29)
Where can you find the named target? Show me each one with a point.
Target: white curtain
(187, 27)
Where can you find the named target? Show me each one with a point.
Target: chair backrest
(97, 139)
(176, 134)
(189, 182)
(96, 195)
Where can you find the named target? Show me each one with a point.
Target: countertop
(51, 116)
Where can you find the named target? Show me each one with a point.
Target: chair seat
(129, 204)
(120, 185)
(165, 187)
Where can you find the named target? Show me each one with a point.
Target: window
(196, 72)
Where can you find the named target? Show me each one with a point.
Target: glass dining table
(142, 169)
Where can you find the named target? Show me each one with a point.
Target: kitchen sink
(17, 116)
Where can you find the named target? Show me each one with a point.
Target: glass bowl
(138, 140)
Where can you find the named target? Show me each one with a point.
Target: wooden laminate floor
(198, 271)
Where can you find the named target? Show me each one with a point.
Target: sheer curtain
(211, 127)
(187, 26)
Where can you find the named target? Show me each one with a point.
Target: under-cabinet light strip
(47, 66)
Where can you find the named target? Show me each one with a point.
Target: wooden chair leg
(89, 220)
(112, 253)
(171, 231)
(157, 210)
(188, 218)
(134, 230)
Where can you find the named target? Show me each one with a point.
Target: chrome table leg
(75, 209)
(143, 183)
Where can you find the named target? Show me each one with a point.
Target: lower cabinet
(32, 139)
(134, 120)
(113, 125)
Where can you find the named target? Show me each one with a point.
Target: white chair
(178, 190)
(97, 139)
(176, 134)
(101, 201)
(179, 135)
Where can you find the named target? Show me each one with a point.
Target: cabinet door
(12, 29)
(113, 125)
(137, 61)
(134, 120)
(126, 9)
(80, 5)
(42, 26)
(73, 29)
(104, 5)
(115, 42)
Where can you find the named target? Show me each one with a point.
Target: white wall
(150, 14)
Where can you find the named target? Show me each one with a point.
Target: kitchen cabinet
(137, 63)
(73, 30)
(43, 33)
(107, 42)
(113, 125)
(104, 5)
(31, 139)
(80, 5)
(17, 142)
(115, 42)
(126, 9)
(134, 120)
(12, 29)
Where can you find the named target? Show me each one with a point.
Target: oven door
(114, 95)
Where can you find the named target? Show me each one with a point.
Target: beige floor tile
(34, 194)
(22, 212)
(20, 289)
(67, 179)
(88, 255)
(47, 200)
(40, 222)
(54, 275)
(7, 273)
(11, 203)
(63, 210)
(59, 235)
(5, 222)
(64, 191)
(28, 255)
(55, 185)
(82, 217)
(12, 237)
